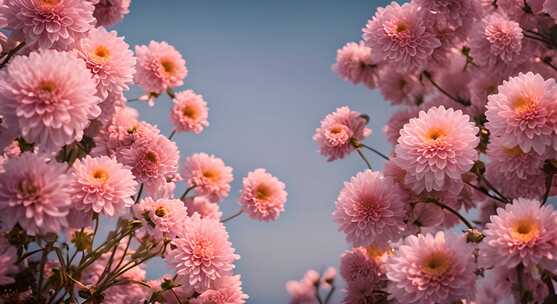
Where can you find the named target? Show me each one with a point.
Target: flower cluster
(75, 156)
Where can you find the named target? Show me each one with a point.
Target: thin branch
(183, 196)
(485, 192)
(364, 158)
(461, 101)
(451, 210)
(139, 194)
(11, 53)
(172, 134)
(330, 294)
(548, 184)
(235, 215)
(385, 157)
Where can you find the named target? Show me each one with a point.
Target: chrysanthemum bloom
(109, 59)
(512, 186)
(204, 207)
(209, 175)
(159, 67)
(203, 252)
(370, 209)
(524, 112)
(190, 112)
(524, 232)
(397, 121)
(483, 84)
(8, 129)
(53, 96)
(109, 106)
(399, 35)
(496, 41)
(354, 64)
(129, 292)
(359, 268)
(163, 218)
(400, 87)
(227, 290)
(49, 23)
(101, 185)
(303, 291)
(511, 161)
(550, 7)
(263, 195)
(8, 258)
(152, 159)
(337, 132)
(527, 16)
(436, 148)
(431, 269)
(34, 194)
(453, 14)
(110, 12)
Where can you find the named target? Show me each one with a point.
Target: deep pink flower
(204, 207)
(517, 11)
(34, 194)
(203, 253)
(110, 12)
(263, 195)
(101, 185)
(362, 270)
(227, 290)
(397, 121)
(8, 258)
(109, 59)
(431, 269)
(354, 64)
(209, 175)
(523, 232)
(550, 7)
(49, 23)
(162, 219)
(524, 112)
(190, 112)
(483, 84)
(451, 14)
(370, 209)
(159, 67)
(53, 96)
(8, 128)
(398, 34)
(338, 131)
(400, 87)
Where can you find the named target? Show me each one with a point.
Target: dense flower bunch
(74, 154)
(475, 129)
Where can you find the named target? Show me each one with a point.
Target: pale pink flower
(8, 258)
(512, 161)
(354, 64)
(303, 291)
(8, 128)
(338, 131)
(109, 106)
(431, 269)
(550, 7)
(102, 185)
(110, 12)
(109, 59)
(203, 253)
(523, 232)
(204, 207)
(159, 67)
(512, 186)
(227, 290)
(400, 87)
(370, 209)
(496, 42)
(49, 23)
(162, 218)
(263, 195)
(524, 112)
(209, 175)
(53, 96)
(398, 34)
(189, 112)
(129, 292)
(397, 121)
(34, 194)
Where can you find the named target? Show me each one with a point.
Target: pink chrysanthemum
(524, 112)
(399, 35)
(49, 23)
(400, 87)
(338, 131)
(263, 195)
(33, 194)
(497, 41)
(436, 148)
(109, 106)
(110, 12)
(452, 14)
(204, 207)
(190, 112)
(8, 258)
(163, 218)
(482, 85)
(203, 253)
(109, 59)
(354, 64)
(303, 291)
(129, 292)
(512, 161)
(397, 121)
(101, 185)
(227, 290)
(153, 159)
(53, 96)
(524, 232)
(370, 209)
(431, 269)
(361, 269)
(209, 175)
(526, 15)
(8, 128)
(550, 7)
(159, 67)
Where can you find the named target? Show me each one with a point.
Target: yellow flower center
(27, 187)
(151, 156)
(434, 134)
(168, 66)
(190, 112)
(263, 192)
(101, 54)
(100, 175)
(514, 151)
(525, 230)
(522, 104)
(375, 252)
(161, 211)
(47, 86)
(401, 27)
(48, 3)
(212, 175)
(436, 264)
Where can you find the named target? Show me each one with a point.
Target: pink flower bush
(159, 67)
(163, 218)
(354, 64)
(338, 131)
(263, 195)
(52, 95)
(190, 112)
(209, 175)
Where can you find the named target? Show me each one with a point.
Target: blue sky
(264, 69)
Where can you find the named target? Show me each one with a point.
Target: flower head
(354, 64)
(399, 87)
(189, 112)
(361, 267)
(397, 122)
(159, 67)
(209, 175)
(263, 195)
(8, 258)
(110, 12)
(204, 207)
(162, 218)
(303, 291)
(227, 290)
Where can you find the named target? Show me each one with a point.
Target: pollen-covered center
(434, 134)
(27, 188)
(211, 174)
(401, 27)
(47, 87)
(48, 3)
(100, 175)
(190, 112)
(374, 252)
(101, 54)
(525, 230)
(263, 192)
(203, 249)
(151, 156)
(436, 264)
(161, 211)
(513, 152)
(168, 66)
(522, 104)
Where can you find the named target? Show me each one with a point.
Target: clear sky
(264, 67)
